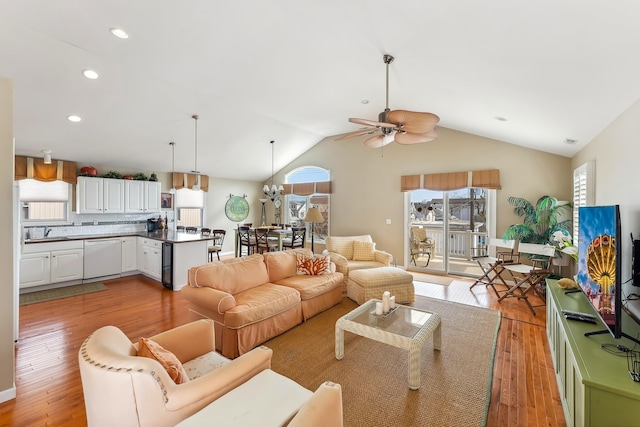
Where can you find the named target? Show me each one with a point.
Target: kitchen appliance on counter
(152, 224)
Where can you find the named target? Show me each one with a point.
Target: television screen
(599, 262)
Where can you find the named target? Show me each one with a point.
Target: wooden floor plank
(49, 390)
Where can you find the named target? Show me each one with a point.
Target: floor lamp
(313, 216)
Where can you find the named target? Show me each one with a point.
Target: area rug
(456, 381)
(430, 278)
(59, 293)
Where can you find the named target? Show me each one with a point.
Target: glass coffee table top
(403, 320)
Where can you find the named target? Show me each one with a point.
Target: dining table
(274, 231)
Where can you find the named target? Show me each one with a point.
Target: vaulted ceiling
(528, 73)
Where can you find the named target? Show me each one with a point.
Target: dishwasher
(102, 257)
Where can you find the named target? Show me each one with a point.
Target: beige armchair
(123, 389)
(421, 245)
(350, 253)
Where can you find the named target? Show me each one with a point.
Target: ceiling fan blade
(354, 134)
(371, 123)
(415, 138)
(414, 122)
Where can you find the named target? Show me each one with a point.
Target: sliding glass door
(446, 229)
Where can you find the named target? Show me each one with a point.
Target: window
(190, 207)
(583, 193)
(44, 201)
(297, 205)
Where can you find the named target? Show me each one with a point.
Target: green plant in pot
(540, 221)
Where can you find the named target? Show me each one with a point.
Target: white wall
(7, 284)
(366, 190)
(616, 152)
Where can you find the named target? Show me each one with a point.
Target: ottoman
(362, 285)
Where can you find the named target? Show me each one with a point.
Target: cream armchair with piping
(124, 389)
(350, 253)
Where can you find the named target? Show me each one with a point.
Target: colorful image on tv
(597, 259)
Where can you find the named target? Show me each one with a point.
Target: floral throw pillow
(313, 265)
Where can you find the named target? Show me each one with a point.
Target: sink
(46, 239)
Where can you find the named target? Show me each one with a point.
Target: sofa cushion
(363, 251)
(262, 302)
(204, 364)
(153, 350)
(343, 245)
(313, 265)
(312, 286)
(359, 265)
(281, 264)
(232, 275)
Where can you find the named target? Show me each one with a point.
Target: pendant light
(196, 186)
(47, 156)
(173, 164)
(274, 191)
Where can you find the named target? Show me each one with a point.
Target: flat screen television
(599, 264)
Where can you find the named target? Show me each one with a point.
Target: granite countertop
(164, 236)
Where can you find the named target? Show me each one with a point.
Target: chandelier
(274, 191)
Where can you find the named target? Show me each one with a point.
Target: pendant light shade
(274, 191)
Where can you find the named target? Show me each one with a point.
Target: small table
(404, 327)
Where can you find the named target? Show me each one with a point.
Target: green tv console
(595, 386)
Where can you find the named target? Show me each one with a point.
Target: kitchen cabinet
(129, 254)
(141, 196)
(150, 257)
(99, 195)
(45, 263)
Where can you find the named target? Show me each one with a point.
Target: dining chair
(263, 243)
(205, 231)
(491, 265)
(246, 240)
(191, 229)
(296, 240)
(216, 247)
(529, 278)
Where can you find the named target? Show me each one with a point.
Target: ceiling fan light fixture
(402, 126)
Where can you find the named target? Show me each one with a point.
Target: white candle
(386, 296)
(392, 302)
(378, 308)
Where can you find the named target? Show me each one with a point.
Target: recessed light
(74, 118)
(90, 74)
(500, 119)
(570, 141)
(119, 32)
(365, 101)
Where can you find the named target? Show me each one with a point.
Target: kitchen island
(165, 256)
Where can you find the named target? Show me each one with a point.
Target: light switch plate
(388, 221)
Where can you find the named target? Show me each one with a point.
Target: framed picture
(166, 200)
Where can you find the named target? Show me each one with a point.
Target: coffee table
(405, 327)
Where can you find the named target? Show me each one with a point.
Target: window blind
(583, 193)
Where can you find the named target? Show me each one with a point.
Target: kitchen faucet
(47, 230)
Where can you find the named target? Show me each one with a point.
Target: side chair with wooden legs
(529, 278)
(491, 265)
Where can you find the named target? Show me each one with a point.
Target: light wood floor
(49, 390)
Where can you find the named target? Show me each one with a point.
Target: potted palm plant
(540, 221)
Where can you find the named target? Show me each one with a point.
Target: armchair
(350, 253)
(124, 389)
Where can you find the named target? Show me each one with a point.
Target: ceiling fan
(402, 126)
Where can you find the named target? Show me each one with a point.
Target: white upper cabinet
(105, 195)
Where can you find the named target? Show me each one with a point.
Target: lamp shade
(313, 216)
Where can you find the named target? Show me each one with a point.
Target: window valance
(448, 181)
(308, 188)
(188, 180)
(35, 168)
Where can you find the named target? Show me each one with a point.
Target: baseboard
(8, 394)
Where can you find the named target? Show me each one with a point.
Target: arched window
(297, 205)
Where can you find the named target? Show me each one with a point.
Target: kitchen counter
(164, 236)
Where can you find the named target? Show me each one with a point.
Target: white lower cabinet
(129, 254)
(44, 263)
(150, 257)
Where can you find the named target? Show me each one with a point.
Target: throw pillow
(363, 251)
(168, 360)
(313, 265)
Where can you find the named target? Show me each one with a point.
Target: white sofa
(350, 253)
